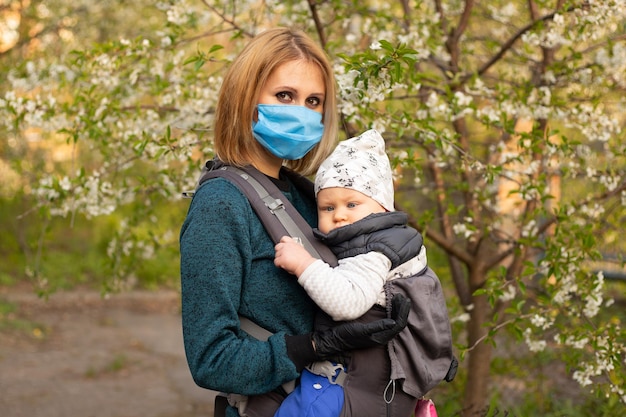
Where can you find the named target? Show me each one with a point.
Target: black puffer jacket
(420, 356)
(387, 233)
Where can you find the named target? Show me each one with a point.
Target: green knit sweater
(227, 269)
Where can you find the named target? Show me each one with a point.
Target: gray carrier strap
(254, 329)
(259, 333)
(240, 402)
(335, 373)
(277, 214)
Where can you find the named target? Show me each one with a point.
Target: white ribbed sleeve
(348, 290)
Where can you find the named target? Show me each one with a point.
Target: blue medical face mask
(287, 131)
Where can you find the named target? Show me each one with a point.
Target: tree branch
(509, 44)
(222, 16)
(548, 223)
(495, 329)
(318, 23)
(452, 43)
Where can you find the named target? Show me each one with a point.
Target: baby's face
(338, 207)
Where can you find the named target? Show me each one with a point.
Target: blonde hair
(248, 73)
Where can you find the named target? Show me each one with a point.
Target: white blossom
(508, 294)
(463, 230)
(530, 229)
(462, 99)
(533, 345)
(594, 299)
(503, 13)
(541, 321)
(577, 343)
(463, 318)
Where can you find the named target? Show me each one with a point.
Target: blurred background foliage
(504, 121)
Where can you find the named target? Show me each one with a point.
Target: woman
(276, 107)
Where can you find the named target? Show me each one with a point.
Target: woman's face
(295, 82)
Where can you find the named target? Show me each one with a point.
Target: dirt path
(79, 355)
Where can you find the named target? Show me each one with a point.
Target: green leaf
(215, 48)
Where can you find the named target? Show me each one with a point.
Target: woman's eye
(313, 102)
(284, 97)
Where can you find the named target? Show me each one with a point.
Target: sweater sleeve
(348, 290)
(216, 259)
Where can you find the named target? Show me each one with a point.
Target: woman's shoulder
(218, 190)
(219, 199)
(217, 205)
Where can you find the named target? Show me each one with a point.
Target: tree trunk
(479, 360)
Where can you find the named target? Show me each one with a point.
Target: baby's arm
(344, 292)
(291, 256)
(348, 290)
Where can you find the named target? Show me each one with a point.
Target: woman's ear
(255, 114)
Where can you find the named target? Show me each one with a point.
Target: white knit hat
(361, 164)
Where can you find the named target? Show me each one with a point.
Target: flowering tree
(505, 121)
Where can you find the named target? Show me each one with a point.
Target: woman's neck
(268, 164)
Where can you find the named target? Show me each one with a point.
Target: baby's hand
(291, 256)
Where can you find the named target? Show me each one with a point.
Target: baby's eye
(327, 208)
(284, 97)
(352, 205)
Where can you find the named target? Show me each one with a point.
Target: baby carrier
(280, 219)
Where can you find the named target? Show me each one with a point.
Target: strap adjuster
(335, 373)
(275, 205)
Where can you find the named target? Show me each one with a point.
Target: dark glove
(351, 336)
